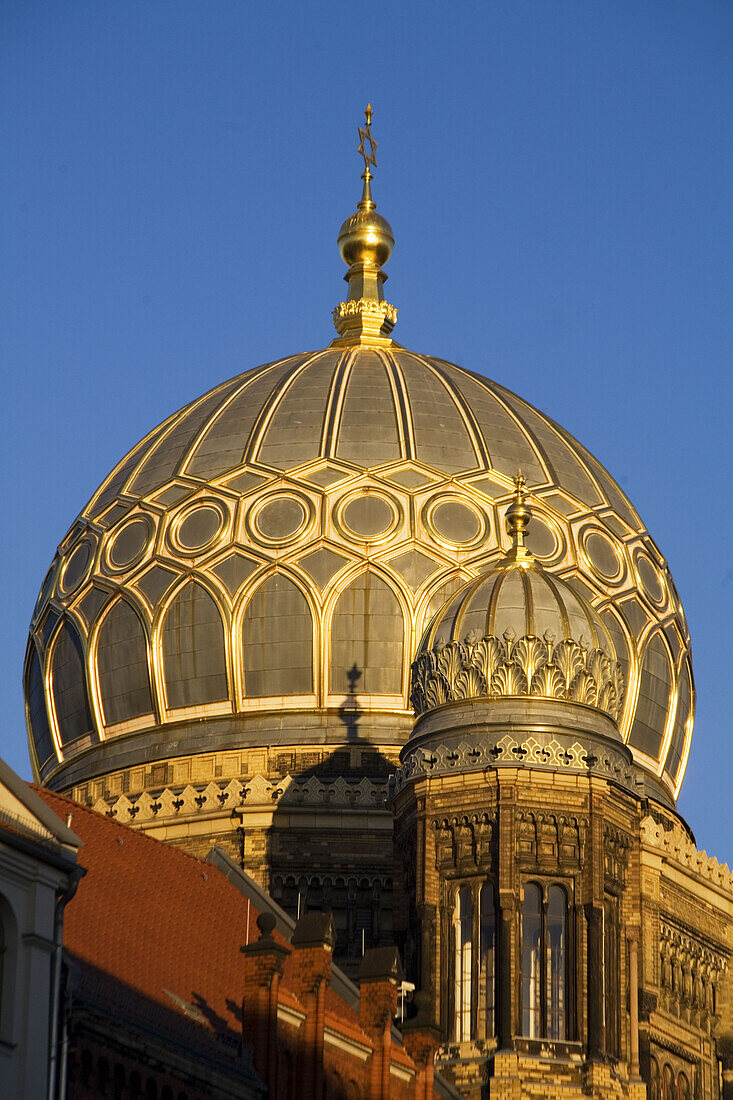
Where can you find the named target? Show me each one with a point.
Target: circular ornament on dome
(198, 527)
(602, 555)
(451, 520)
(651, 579)
(128, 545)
(76, 567)
(368, 516)
(279, 519)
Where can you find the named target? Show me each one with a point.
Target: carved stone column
(593, 985)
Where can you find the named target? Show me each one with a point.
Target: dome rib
(480, 444)
(333, 407)
(220, 447)
(402, 402)
(270, 406)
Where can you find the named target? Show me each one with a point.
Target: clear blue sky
(559, 179)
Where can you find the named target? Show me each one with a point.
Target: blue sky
(558, 177)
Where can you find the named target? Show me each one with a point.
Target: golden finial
(518, 516)
(365, 242)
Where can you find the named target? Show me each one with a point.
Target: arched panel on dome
(122, 666)
(625, 656)
(676, 752)
(652, 707)
(69, 686)
(194, 652)
(435, 601)
(35, 694)
(277, 640)
(368, 637)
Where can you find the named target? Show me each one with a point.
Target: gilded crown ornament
(365, 242)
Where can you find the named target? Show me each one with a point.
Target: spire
(518, 516)
(365, 242)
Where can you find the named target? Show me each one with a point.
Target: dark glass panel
(653, 702)
(70, 697)
(37, 711)
(277, 641)
(122, 664)
(367, 631)
(194, 661)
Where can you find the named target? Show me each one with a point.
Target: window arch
(69, 686)
(277, 640)
(655, 686)
(37, 712)
(122, 665)
(545, 962)
(194, 656)
(367, 635)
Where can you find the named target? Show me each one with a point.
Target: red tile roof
(162, 923)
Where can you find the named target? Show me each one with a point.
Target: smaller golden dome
(517, 631)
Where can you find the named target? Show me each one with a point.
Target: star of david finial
(366, 139)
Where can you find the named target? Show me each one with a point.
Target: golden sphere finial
(365, 243)
(518, 516)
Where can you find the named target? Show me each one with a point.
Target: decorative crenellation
(616, 847)
(463, 843)
(531, 752)
(676, 844)
(492, 667)
(548, 837)
(235, 795)
(381, 310)
(689, 969)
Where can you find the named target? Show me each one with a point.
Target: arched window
(194, 660)
(531, 961)
(668, 1083)
(277, 641)
(122, 666)
(611, 934)
(69, 682)
(368, 636)
(462, 964)
(544, 962)
(557, 921)
(654, 1084)
(487, 949)
(683, 1087)
(37, 713)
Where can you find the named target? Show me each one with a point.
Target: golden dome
(301, 524)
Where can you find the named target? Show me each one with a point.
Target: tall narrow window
(611, 973)
(556, 962)
(545, 962)
(531, 961)
(68, 677)
(487, 948)
(463, 928)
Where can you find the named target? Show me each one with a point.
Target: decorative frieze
(491, 667)
(258, 791)
(533, 751)
(677, 845)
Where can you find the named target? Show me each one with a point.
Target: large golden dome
(278, 547)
